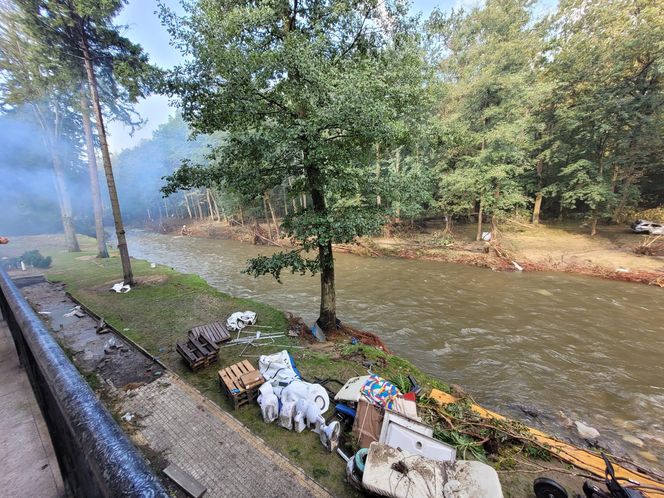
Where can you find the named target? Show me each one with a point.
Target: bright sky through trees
(144, 27)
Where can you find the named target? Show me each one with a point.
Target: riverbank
(615, 253)
(165, 304)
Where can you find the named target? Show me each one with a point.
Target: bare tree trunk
(593, 226)
(397, 168)
(479, 222)
(448, 223)
(304, 201)
(106, 156)
(209, 201)
(378, 199)
(198, 206)
(186, 202)
(267, 217)
(285, 201)
(290, 184)
(166, 208)
(274, 218)
(50, 138)
(65, 203)
(241, 216)
(537, 208)
(102, 251)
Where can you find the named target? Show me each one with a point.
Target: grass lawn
(165, 304)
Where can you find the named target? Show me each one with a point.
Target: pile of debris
(397, 456)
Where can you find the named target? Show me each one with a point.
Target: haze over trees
(56, 57)
(331, 119)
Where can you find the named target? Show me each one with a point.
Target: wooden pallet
(215, 332)
(231, 383)
(198, 352)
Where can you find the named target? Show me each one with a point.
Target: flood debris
(121, 288)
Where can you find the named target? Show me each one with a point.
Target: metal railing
(95, 456)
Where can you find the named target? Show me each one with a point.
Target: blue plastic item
(292, 362)
(360, 458)
(346, 410)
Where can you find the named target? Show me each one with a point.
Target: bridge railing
(96, 458)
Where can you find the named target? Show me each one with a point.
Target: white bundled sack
(286, 414)
(277, 370)
(268, 402)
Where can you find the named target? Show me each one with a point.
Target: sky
(144, 27)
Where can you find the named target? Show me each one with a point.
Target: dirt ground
(611, 254)
(107, 355)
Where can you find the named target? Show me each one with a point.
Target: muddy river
(572, 348)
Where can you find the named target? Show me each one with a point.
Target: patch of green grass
(160, 310)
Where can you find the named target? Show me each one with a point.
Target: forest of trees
(330, 119)
(557, 117)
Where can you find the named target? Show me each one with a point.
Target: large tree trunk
(479, 222)
(102, 251)
(50, 137)
(128, 276)
(65, 203)
(328, 301)
(537, 208)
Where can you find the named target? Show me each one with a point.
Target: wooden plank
(237, 372)
(248, 366)
(187, 482)
(199, 346)
(184, 351)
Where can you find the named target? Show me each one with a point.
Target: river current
(573, 348)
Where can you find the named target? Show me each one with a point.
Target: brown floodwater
(570, 347)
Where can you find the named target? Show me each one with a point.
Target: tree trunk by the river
(537, 208)
(328, 301)
(267, 217)
(479, 222)
(128, 276)
(97, 208)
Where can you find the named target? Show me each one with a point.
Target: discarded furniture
(241, 382)
(198, 352)
(413, 436)
(351, 390)
(215, 332)
(399, 474)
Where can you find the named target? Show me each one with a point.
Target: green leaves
(312, 228)
(273, 265)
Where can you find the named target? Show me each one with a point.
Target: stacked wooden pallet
(215, 332)
(198, 352)
(240, 382)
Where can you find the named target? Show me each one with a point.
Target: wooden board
(215, 333)
(578, 457)
(187, 482)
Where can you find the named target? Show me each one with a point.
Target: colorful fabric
(380, 392)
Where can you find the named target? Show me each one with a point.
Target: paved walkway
(28, 467)
(211, 445)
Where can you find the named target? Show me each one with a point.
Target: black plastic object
(548, 488)
(94, 455)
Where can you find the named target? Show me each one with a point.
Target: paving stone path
(28, 467)
(212, 446)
